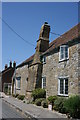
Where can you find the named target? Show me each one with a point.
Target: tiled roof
(66, 37)
(7, 70)
(26, 61)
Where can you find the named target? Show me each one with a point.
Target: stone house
(61, 69)
(55, 66)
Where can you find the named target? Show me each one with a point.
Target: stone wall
(79, 67)
(23, 73)
(53, 69)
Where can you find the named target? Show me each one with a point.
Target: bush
(21, 97)
(38, 93)
(13, 95)
(44, 103)
(38, 101)
(51, 99)
(16, 95)
(59, 105)
(72, 106)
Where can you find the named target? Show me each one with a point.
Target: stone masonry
(23, 73)
(32, 70)
(35, 69)
(53, 69)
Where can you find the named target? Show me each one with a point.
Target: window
(43, 82)
(63, 86)
(18, 82)
(64, 53)
(44, 59)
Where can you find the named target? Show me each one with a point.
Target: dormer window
(64, 53)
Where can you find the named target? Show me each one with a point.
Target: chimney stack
(10, 63)
(14, 64)
(6, 66)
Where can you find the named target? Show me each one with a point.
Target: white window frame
(18, 88)
(64, 78)
(43, 82)
(64, 53)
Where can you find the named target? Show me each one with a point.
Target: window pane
(66, 52)
(18, 79)
(44, 82)
(61, 86)
(62, 49)
(44, 59)
(62, 56)
(61, 52)
(66, 86)
(18, 84)
(66, 48)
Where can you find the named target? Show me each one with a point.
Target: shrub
(59, 105)
(38, 93)
(51, 99)
(44, 103)
(13, 95)
(38, 101)
(16, 95)
(21, 97)
(72, 106)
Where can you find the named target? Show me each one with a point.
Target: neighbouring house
(0, 82)
(6, 77)
(54, 67)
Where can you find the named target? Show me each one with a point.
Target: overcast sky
(26, 19)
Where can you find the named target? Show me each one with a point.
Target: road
(10, 112)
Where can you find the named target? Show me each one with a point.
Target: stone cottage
(54, 67)
(61, 69)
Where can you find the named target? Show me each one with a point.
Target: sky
(26, 18)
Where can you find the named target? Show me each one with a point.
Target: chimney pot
(46, 23)
(6, 66)
(10, 63)
(14, 64)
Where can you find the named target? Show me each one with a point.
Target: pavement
(11, 113)
(32, 110)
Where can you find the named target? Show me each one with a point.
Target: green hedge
(44, 103)
(38, 101)
(51, 99)
(72, 106)
(59, 105)
(21, 97)
(38, 93)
